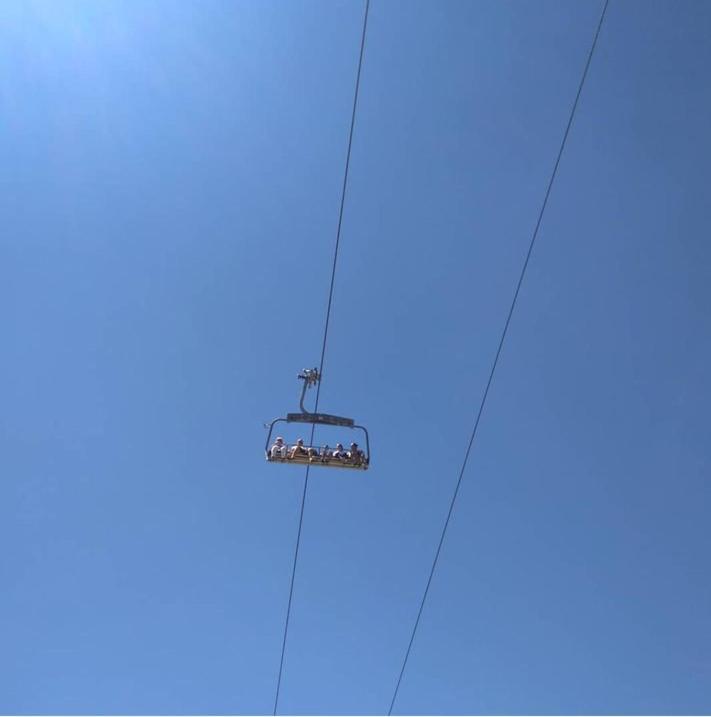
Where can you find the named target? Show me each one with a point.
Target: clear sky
(169, 183)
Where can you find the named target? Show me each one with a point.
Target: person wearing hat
(299, 450)
(339, 454)
(355, 455)
(278, 450)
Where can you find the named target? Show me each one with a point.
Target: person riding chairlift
(355, 455)
(279, 449)
(339, 454)
(300, 450)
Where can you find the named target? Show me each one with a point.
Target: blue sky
(170, 177)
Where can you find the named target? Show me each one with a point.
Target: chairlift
(316, 456)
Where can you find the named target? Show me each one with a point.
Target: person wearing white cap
(339, 454)
(300, 450)
(278, 450)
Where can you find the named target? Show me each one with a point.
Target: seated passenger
(298, 449)
(278, 450)
(355, 455)
(339, 454)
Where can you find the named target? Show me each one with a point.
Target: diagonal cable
(323, 347)
(498, 351)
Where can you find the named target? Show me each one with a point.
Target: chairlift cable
(498, 350)
(323, 346)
